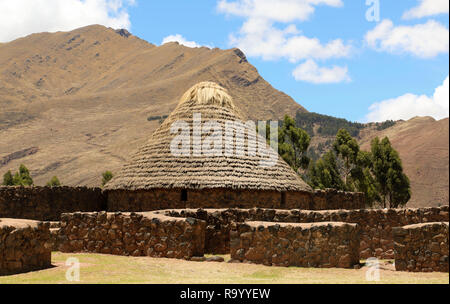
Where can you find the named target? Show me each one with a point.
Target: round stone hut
(205, 156)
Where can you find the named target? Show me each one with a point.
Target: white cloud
(261, 34)
(181, 40)
(427, 8)
(269, 32)
(411, 105)
(422, 40)
(276, 10)
(259, 38)
(19, 18)
(311, 72)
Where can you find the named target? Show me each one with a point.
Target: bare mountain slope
(74, 104)
(423, 144)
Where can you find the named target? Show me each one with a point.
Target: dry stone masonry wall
(186, 233)
(24, 246)
(376, 225)
(133, 234)
(321, 245)
(158, 199)
(47, 203)
(331, 199)
(422, 247)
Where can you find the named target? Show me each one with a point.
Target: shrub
(107, 176)
(21, 178)
(8, 179)
(54, 182)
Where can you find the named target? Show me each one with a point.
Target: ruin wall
(48, 203)
(322, 245)
(376, 225)
(158, 199)
(132, 234)
(421, 247)
(24, 246)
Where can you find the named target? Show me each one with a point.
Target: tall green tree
(347, 148)
(293, 143)
(324, 173)
(106, 177)
(362, 178)
(25, 176)
(393, 185)
(355, 166)
(8, 179)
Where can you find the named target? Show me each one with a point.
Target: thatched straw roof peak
(207, 93)
(156, 166)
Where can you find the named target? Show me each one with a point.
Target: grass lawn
(98, 268)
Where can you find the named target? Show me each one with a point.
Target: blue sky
(323, 53)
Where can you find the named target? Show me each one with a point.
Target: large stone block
(132, 234)
(25, 245)
(328, 244)
(421, 247)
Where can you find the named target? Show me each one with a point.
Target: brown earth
(423, 145)
(74, 104)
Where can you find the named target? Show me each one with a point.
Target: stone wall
(120, 200)
(158, 235)
(218, 224)
(322, 245)
(47, 203)
(375, 224)
(133, 234)
(24, 246)
(158, 199)
(422, 247)
(184, 233)
(136, 201)
(331, 199)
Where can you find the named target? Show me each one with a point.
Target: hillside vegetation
(324, 125)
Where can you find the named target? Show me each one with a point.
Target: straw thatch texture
(154, 166)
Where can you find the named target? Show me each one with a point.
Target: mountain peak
(422, 119)
(240, 54)
(123, 33)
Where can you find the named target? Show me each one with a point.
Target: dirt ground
(109, 269)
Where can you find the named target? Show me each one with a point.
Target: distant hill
(423, 144)
(74, 104)
(324, 125)
(323, 129)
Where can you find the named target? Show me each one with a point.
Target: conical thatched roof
(156, 166)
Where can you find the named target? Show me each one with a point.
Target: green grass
(109, 269)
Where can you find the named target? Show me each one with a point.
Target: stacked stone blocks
(322, 245)
(422, 247)
(24, 246)
(132, 234)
